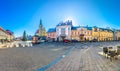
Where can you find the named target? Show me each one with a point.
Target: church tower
(40, 28)
(44, 32)
(41, 32)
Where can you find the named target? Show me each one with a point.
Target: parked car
(41, 40)
(74, 40)
(94, 40)
(66, 40)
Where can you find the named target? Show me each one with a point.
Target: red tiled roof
(9, 32)
(0, 28)
(3, 30)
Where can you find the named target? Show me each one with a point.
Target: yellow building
(3, 34)
(44, 33)
(10, 35)
(102, 34)
(82, 33)
(75, 35)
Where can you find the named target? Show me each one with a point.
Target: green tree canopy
(24, 36)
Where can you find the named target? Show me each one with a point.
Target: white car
(41, 40)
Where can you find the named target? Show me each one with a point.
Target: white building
(63, 30)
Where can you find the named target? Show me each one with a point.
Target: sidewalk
(16, 44)
(6, 45)
(2, 45)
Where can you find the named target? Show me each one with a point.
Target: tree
(24, 36)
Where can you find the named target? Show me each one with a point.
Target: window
(72, 33)
(95, 30)
(75, 33)
(83, 32)
(57, 30)
(62, 30)
(89, 32)
(69, 28)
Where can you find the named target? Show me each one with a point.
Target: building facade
(106, 34)
(117, 34)
(81, 33)
(65, 30)
(10, 35)
(51, 34)
(5, 35)
(102, 34)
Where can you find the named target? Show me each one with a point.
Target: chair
(110, 48)
(118, 47)
(105, 50)
(112, 54)
(118, 51)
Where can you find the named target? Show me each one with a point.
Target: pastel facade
(51, 34)
(6, 35)
(81, 33)
(10, 35)
(102, 34)
(3, 34)
(118, 35)
(65, 30)
(95, 33)
(106, 35)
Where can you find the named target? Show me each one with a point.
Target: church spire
(40, 23)
(40, 28)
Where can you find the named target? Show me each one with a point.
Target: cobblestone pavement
(88, 58)
(32, 58)
(29, 58)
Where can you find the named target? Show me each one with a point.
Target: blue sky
(20, 15)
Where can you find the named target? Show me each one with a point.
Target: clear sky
(20, 15)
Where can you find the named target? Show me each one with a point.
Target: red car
(66, 40)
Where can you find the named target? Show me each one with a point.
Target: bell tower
(40, 28)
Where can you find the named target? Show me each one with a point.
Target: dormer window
(95, 29)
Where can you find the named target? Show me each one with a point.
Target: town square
(59, 35)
